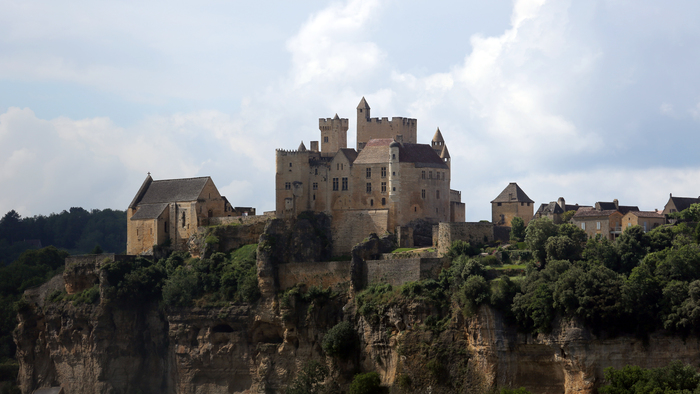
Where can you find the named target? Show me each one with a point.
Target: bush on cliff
(631, 379)
(309, 380)
(340, 340)
(367, 383)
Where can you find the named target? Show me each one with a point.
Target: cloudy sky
(590, 100)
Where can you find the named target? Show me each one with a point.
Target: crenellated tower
(334, 134)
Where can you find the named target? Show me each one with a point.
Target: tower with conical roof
(334, 134)
(438, 142)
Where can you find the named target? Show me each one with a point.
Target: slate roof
(648, 214)
(584, 213)
(363, 104)
(512, 190)
(552, 207)
(682, 203)
(422, 155)
(611, 205)
(169, 190)
(149, 211)
(351, 154)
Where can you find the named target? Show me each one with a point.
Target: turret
(363, 111)
(445, 155)
(438, 142)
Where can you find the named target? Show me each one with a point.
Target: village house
(169, 211)
(555, 209)
(511, 203)
(606, 223)
(678, 204)
(648, 220)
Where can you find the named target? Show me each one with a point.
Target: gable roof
(586, 213)
(604, 206)
(682, 203)
(647, 214)
(422, 155)
(363, 104)
(552, 208)
(169, 190)
(349, 153)
(512, 193)
(149, 211)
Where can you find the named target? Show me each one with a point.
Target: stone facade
(388, 182)
(648, 220)
(512, 202)
(170, 211)
(478, 232)
(606, 223)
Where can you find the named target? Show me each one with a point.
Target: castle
(390, 182)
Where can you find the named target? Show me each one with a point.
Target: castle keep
(389, 182)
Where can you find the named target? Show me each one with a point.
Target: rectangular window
(383, 201)
(422, 174)
(430, 175)
(383, 172)
(369, 172)
(422, 194)
(583, 226)
(345, 183)
(335, 184)
(597, 225)
(325, 139)
(369, 187)
(287, 186)
(383, 187)
(437, 194)
(315, 185)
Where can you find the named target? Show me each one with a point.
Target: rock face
(260, 348)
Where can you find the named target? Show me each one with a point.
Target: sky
(590, 101)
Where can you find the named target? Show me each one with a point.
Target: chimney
(617, 204)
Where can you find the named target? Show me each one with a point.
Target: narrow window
(430, 175)
(165, 227)
(393, 173)
(183, 218)
(383, 201)
(415, 209)
(393, 156)
(369, 187)
(316, 171)
(335, 184)
(371, 202)
(597, 225)
(422, 174)
(583, 226)
(383, 187)
(369, 172)
(345, 183)
(422, 194)
(290, 164)
(437, 194)
(393, 189)
(383, 172)
(314, 197)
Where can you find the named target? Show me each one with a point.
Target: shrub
(309, 380)
(366, 383)
(339, 341)
(211, 239)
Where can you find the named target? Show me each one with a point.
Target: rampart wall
(350, 227)
(225, 220)
(336, 273)
(472, 232)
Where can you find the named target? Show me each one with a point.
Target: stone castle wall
(352, 226)
(226, 220)
(322, 274)
(472, 232)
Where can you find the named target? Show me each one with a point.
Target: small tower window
(371, 202)
(183, 219)
(290, 164)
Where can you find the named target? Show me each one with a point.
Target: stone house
(170, 210)
(555, 209)
(390, 181)
(512, 202)
(607, 222)
(649, 220)
(678, 204)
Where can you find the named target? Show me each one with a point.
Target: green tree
(537, 233)
(631, 246)
(674, 378)
(517, 229)
(340, 340)
(366, 383)
(562, 248)
(309, 380)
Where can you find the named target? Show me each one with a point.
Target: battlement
(329, 121)
(284, 152)
(395, 120)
